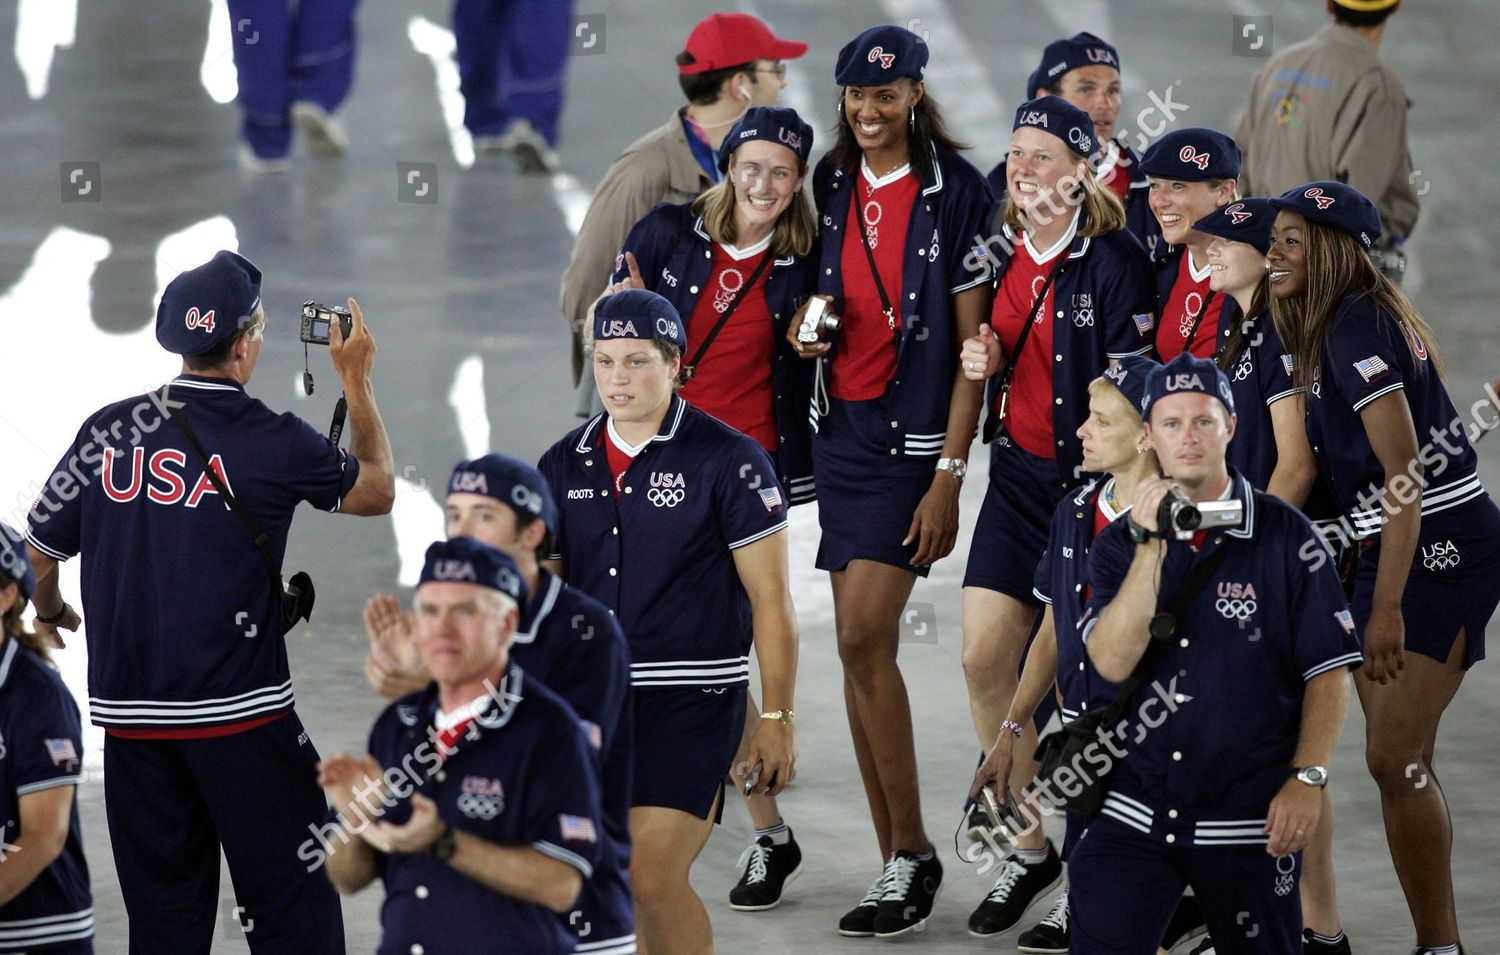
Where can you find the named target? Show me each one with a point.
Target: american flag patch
(1370, 367)
(61, 751)
(1286, 362)
(577, 828)
(1144, 322)
(770, 497)
(1346, 620)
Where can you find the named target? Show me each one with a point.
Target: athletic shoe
(859, 922)
(532, 151)
(1050, 937)
(1018, 886)
(1187, 924)
(261, 164)
(1312, 944)
(911, 888)
(325, 135)
(1205, 947)
(768, 868)
(1424, 950)
(976, 823)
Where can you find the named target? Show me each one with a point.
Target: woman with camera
(1386, 435)
(899, 207)
(1114, 445)
(1073, 294)
(45, 903)
(735, 262)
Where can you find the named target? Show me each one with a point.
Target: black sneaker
(859, 922)
(911, 887)
(1018, 886)
(1205, 947)
(1312, 944)
(1187, 924)
(768, 868)
(1050, 937)
(976, 823)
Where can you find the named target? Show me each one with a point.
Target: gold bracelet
(784, 717)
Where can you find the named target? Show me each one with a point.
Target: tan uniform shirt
(1327, 108)
(658, 167)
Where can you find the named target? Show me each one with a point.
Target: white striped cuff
(568, 856)
(53, 783)
(621, 945)
(1337, 663)
(1376, 394)
(736, 545)
(50, 552)
(50, 930)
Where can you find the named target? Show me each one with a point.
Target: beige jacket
(1327, 108)
(658, 167)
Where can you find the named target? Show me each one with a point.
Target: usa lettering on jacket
(162, 477)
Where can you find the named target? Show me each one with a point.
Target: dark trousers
(1123, 886)
(173, 803)
(512, 61)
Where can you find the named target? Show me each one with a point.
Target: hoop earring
(911, 119)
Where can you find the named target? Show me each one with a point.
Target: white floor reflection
(42, 28)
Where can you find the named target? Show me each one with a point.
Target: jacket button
(615, 531)
(422, 892)
(1183, 642)
(893, 450)
(604, 494)
(631, 490)
(588, 463)
(613, 572)
(417, 950)
(693, 289)
(1171, 839)
(1059, 314)
(1171, 814)
(1059, 444)
(895, 424)
(1058, 357)
(1057, 401)
(1177, 757)
(1080, 665)
(828, 271)
(912, 296)
(440, 776)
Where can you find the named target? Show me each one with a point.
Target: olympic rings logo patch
(1231, 609)
(666, 497)
(1440, 556)
(1243, 369)
(481, 807)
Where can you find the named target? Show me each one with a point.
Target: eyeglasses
(779, 69)
(257, 331)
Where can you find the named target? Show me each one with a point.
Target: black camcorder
(317, 319)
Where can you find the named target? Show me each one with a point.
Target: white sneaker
(531, 149)
(326, 137)
(250, 162)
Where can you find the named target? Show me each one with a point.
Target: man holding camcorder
(180, 501)
(1244, 631)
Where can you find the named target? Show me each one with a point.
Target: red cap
(729, 39)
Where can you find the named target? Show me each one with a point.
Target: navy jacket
(946, 224)
(1104, 312)
(675, 254)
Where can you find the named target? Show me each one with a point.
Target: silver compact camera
(1006, 820)
(1180, 518)
(817, 321)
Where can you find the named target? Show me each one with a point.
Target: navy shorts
(866, 494)
(1123, 887)
(1454, 583)
(1014, 521)
(685, 741)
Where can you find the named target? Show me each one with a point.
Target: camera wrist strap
(691, 367)
(262, 543)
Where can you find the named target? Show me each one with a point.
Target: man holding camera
(1222, 792)
(180, 502)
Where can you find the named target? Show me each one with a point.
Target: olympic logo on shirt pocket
(1083, 317)
(1244, 369)
(481, 807)
(1440, 556)
(1233, 609)
(665, 497)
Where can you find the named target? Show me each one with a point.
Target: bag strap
(691, 368)
(1041, 298)
(1196, 580)
(262, 542)
(864, 238)
(1193, 329)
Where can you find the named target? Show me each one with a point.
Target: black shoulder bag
(294, 600)
(1064, 749)
(690, 368)
(993, 422)
(864, 238)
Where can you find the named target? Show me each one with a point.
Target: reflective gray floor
(461, 293)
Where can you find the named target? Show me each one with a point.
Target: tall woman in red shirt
(900, 208)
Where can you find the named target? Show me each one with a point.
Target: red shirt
(865, 356)
(733, 381)
(1115, 176)
(619, 461)
(1028, 415)
(1104, 516)
(1189, 291)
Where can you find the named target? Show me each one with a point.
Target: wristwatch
(784, 717)
(442, 847)
(1311, 775)
(1138, 534)
(957, 467)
